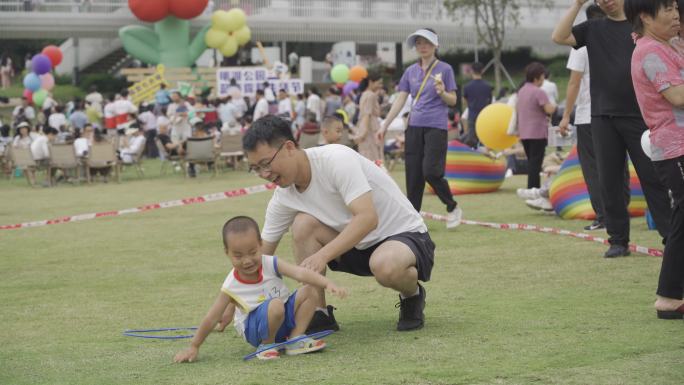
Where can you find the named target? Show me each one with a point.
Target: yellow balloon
(215, 38)
(220, 20)
(230, 47)
(492, 124)
(243, 35)
(236, 19)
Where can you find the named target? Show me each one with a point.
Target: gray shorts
(356, 261)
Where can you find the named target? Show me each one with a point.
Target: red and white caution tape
(163, 205)
(270, 186)
(548, 230)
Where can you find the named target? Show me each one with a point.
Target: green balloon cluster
(228, 31)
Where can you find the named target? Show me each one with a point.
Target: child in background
(309, 133)
(332, 129)
(264, 311)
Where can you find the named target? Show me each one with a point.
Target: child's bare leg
(276, 316)
(226, 318)
(305, 305)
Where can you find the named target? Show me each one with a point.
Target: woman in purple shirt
(533, 109)
(426, 135)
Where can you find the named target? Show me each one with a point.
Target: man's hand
(340, 292)
(315, 263)
(563, 126)
(187, 355)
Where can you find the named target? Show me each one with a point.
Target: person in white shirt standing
(285, 105)
(578, 95)
(123, 107)
(550, 88)
(228, 115)
(345, 213)
(313, 103)
(261, 106)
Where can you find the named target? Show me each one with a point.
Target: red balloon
(187, 9)
(149, 10)
(54, 54)
(28, 95)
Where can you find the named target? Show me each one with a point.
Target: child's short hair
(239, 224)
(331, 121)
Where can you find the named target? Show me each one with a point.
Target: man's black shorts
(356, 261)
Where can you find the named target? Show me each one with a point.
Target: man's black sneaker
(411, 315)
(321, 322)
(616, 251)
(595, 225)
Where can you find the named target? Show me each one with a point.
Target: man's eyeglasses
(265, 166)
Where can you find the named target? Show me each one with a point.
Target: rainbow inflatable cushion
(471, 172)
(570, 198)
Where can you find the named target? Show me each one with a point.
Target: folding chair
(165, 156)
(22, 159)
(137, 161)
(200, 151)
(62, 157)
(102, 155)
(231, 148)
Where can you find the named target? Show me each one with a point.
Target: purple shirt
(430, 110)
(533, 123)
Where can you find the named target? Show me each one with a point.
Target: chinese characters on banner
(145, 89)
(251, 79)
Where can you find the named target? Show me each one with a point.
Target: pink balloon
(47, 81)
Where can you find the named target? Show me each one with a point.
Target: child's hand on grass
(340, 292)
(187, 355)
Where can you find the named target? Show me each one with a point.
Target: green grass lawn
(503, 307)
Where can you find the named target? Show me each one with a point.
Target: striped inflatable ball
(570, 198)
(471, 172)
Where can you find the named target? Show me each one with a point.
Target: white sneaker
(528, 193)
(509, 173)
(540, 203)
(454, 218)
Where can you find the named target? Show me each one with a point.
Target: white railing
(397, 10)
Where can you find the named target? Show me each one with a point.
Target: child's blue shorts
(256, 327)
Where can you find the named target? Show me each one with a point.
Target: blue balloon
(41, 64)
(32, 82)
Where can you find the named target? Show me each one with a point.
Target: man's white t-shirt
(285, 107)
(29, 112)
(339, 175)
(261, 109)
(579, 61)
(39, 148)
(81, 146)
(57, 120)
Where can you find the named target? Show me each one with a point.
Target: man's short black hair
(271, 130)
(593, 11)
(634, 8)
(477, 68)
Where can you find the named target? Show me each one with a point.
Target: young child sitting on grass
(265, 311)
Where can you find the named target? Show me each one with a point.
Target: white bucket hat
(428, 35)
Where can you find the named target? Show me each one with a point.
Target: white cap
(428, 35)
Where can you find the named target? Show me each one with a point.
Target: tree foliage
(492, 18)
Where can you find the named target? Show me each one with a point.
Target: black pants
(671, 281)
(614, 138)
(587, 159)
(534, 150)
(151, 150)
(425, 154)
